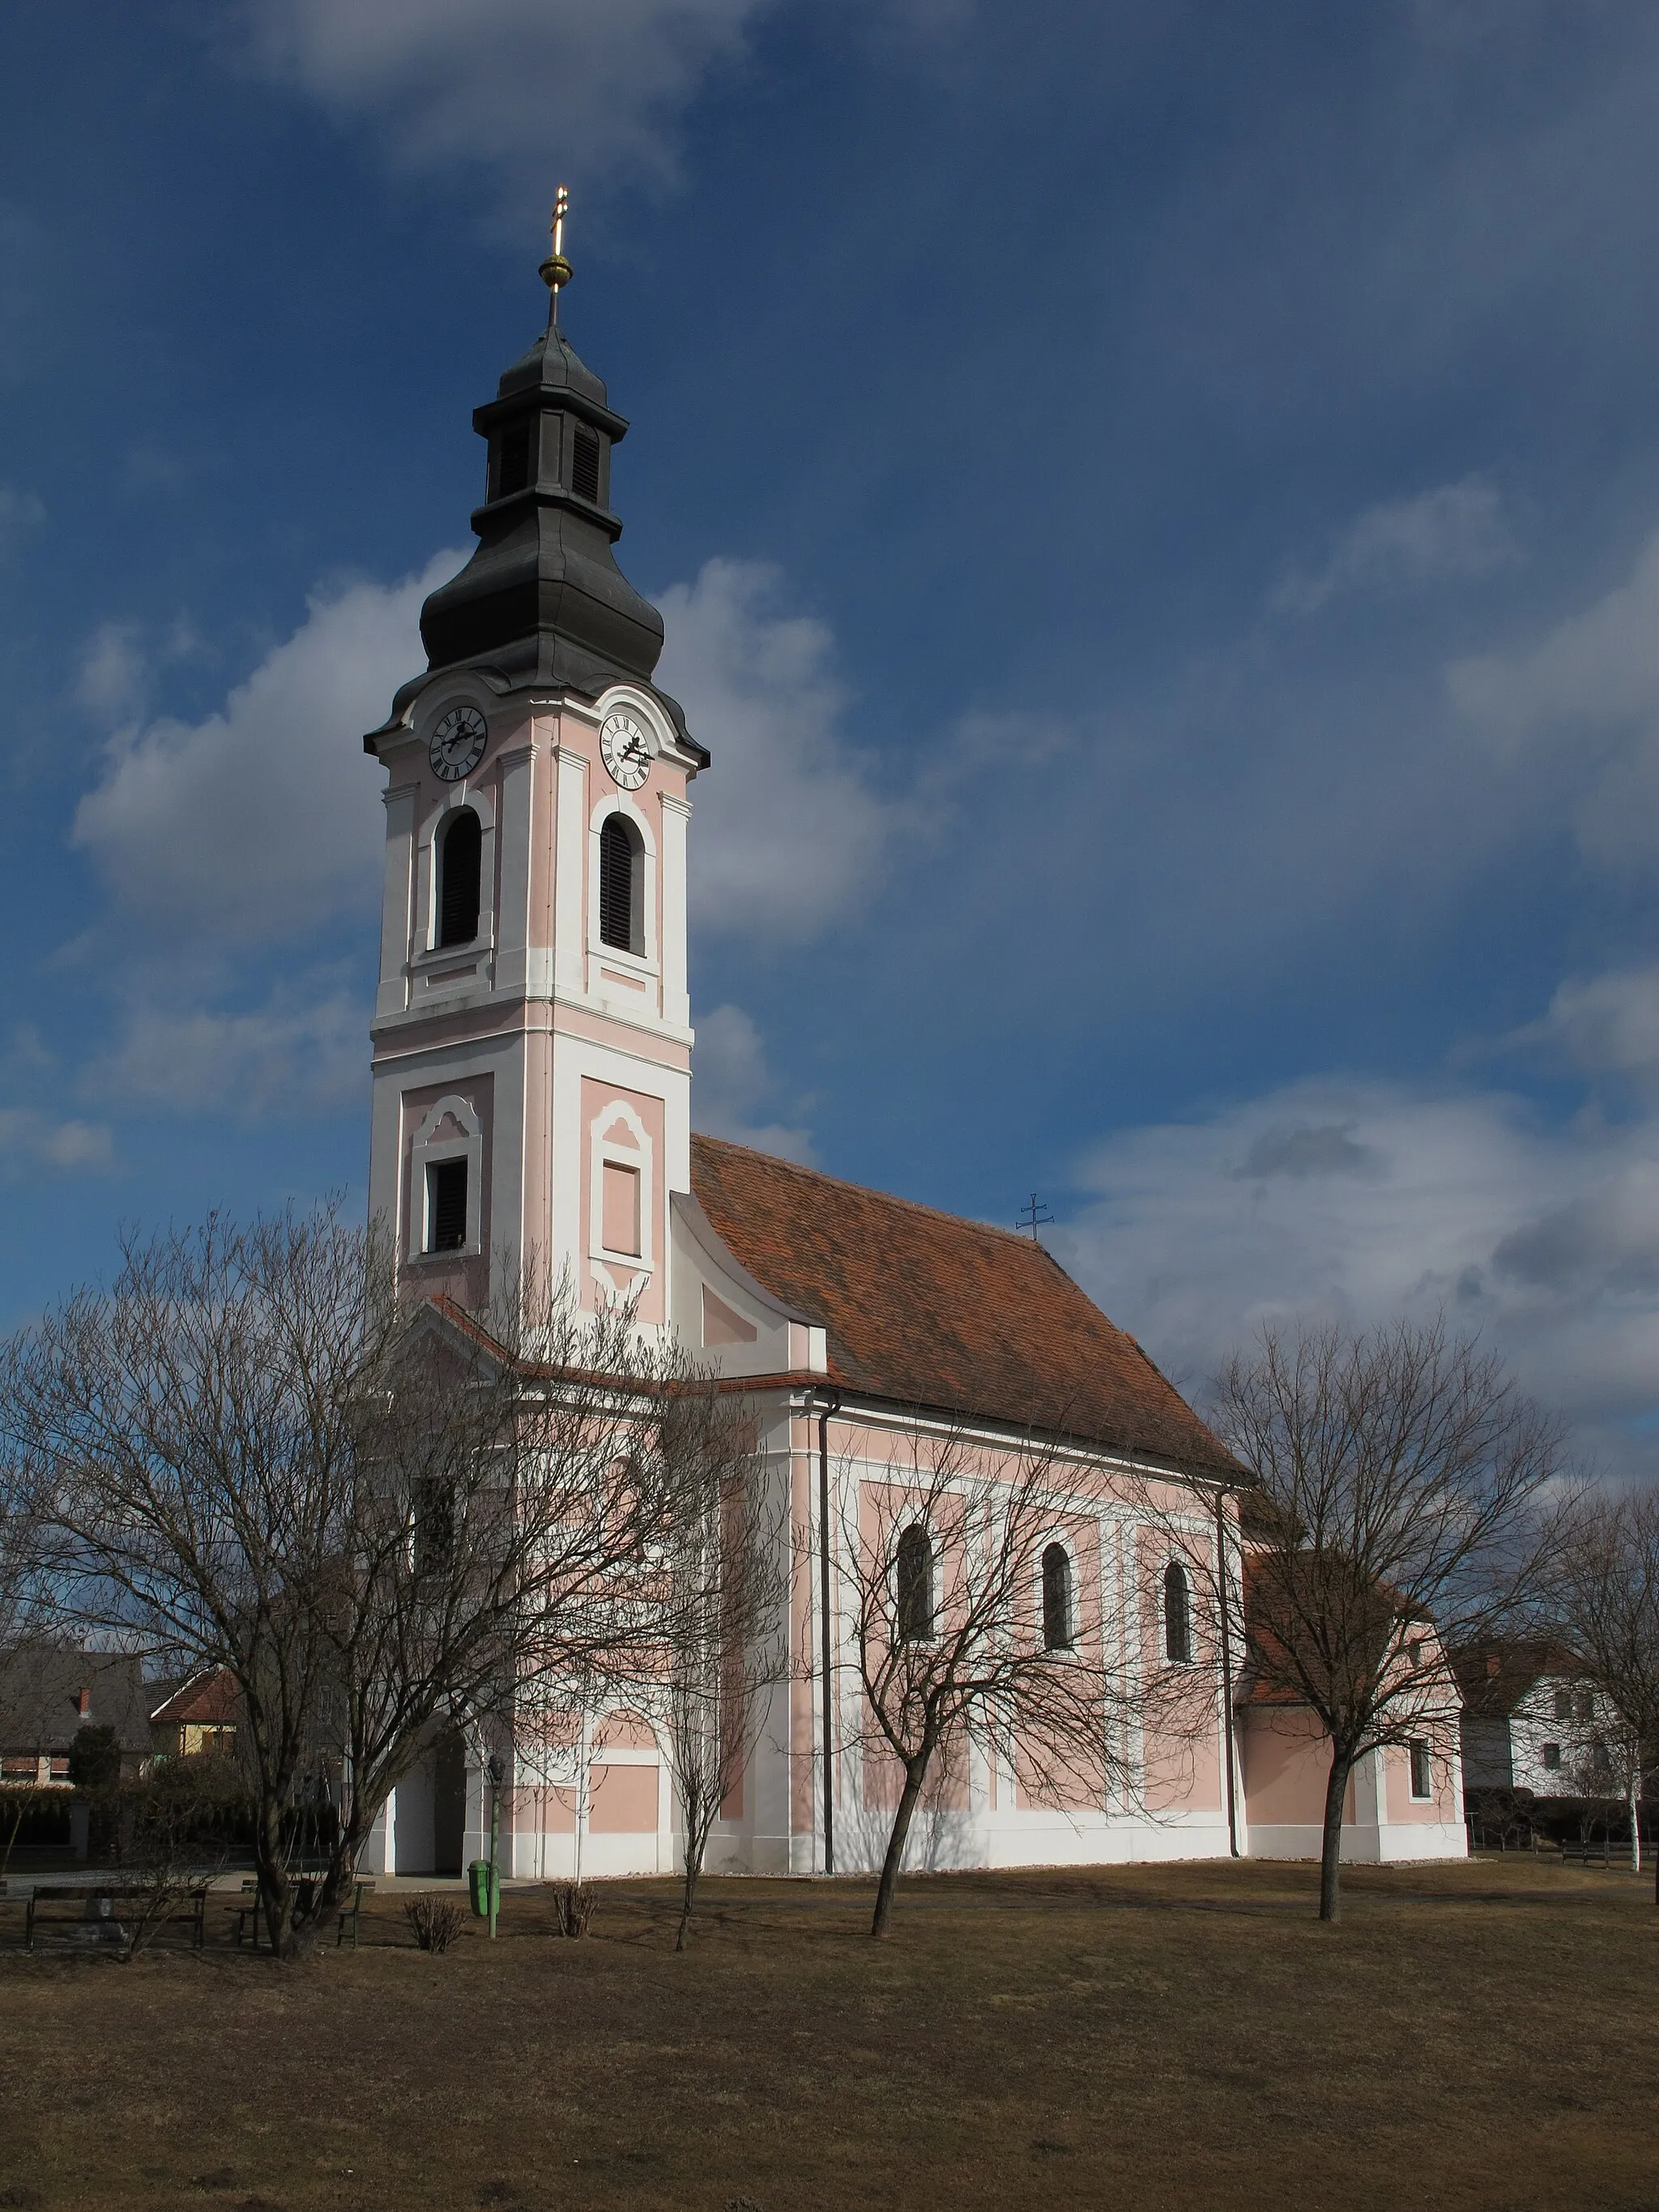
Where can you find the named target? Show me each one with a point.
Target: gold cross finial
(555, 271)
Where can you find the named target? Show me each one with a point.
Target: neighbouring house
(1534, 1725)
(533, 1110)
(49, 1692)
(199, 1716)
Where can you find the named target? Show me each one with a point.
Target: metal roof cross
(555, 272)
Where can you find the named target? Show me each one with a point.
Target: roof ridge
(869, 1190)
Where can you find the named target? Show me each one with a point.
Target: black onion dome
(542, 600)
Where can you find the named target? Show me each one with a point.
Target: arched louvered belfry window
(1177, 1615)
(621, 885)
(460, 855)
(1059, 1621)
(915, 1586)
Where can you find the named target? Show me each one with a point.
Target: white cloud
(293, 1054)
(531, 89)
(1605, 1024)
(788, 831)
(1454, 531)
(264, 820)
(1359, 1200)
(30, 1139)
(734, 1084)
(1585, 702)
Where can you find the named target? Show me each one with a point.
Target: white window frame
(639, 963)
(428, 949)
(639, 1157)
(934, 1551)
(1419, 1796)
(1164, 1659)
(427, 1151)
(1067, 1650)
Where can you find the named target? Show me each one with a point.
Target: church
(533, 1064)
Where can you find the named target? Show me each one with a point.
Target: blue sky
(1157, 508)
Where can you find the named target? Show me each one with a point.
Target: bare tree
(967, 1627)
(1397, 1517)
(727, 1606)
(381, 1523)
(1606, 1592)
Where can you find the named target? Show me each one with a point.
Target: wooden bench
(191, 1906)
(249, 1914)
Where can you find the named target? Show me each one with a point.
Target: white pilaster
(569, 920)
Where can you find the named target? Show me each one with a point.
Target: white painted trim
(638, 1156)
(426, 949)
(427, 1152)
(1074, 1612)
(642, 964)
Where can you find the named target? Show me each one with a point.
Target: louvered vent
(445, 1206)
(460, 857)
(585, 466)
(621, 886)
(512, 459)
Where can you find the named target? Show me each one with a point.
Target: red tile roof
(206, 1700)
(925, 1309)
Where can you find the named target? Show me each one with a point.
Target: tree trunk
(326, 1897)
(1635, 1825)
(272, 1872)
(916, 1771)
(688, 1903)
(1330, 1859)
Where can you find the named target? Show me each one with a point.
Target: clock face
(626, 749)
(458, 743)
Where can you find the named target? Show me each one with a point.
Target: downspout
(827, 1404)
(1226, 1667)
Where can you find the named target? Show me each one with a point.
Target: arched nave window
(1177, 1615)
(461, 854)
(915, 1585)
(621, 885)
(1059, 1623)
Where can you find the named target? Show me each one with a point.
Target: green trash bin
(477, 1876)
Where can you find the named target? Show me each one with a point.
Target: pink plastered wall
(621, 1800)
(1286, 1759)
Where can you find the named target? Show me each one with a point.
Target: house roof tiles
(207, 1700)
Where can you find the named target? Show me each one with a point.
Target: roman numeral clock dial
(458, 743)
(626, 750)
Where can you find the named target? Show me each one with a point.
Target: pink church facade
(532, 1106)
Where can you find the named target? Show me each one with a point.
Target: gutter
(829, 1403)
(1227, 1668)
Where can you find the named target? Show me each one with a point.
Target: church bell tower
(531, 1033)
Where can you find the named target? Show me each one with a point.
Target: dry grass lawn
(1483, 2035)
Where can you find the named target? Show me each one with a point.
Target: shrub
(436, 1921)
(573, 1908)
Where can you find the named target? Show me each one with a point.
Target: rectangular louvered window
(585, 466)
(445, 1206)
(513, 467)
